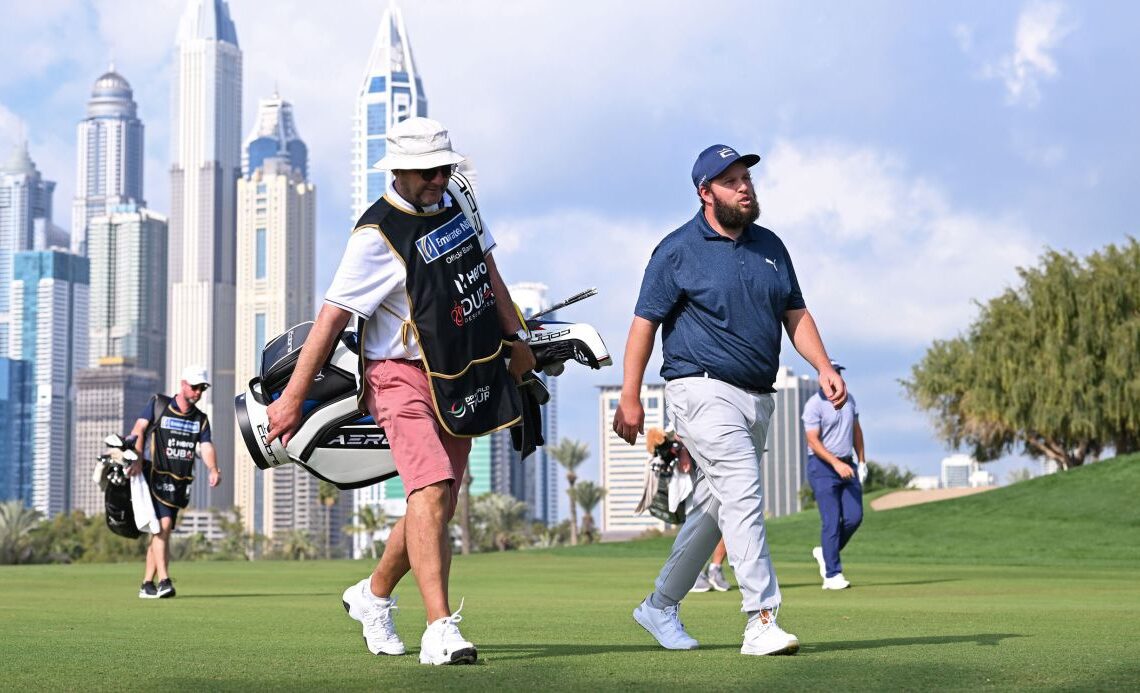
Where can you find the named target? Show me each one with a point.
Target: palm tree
(327, 493)
(571, 454)
(588, 495)
(501, 516)
(16, 522)
(297, 545)
(370, 520)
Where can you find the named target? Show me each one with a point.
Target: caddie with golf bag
(435, 323)
(169, 434)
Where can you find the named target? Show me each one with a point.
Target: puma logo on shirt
(772, 262)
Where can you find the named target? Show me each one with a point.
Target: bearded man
(723, 288)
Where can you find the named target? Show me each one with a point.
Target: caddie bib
(173, 441)
(453, 315)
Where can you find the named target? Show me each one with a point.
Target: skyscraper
(15, 427)
(49, 308)
(623, 465)
(276, 221)
(206, 135)
(784, 463)
(109, 170)
(127, 246)
(25, 223)
(391, 91)
(109, 398)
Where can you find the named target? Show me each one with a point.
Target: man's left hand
(522, 360)
(833, 387)
(215, 477)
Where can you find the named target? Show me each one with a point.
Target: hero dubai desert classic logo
(471, 402)
(475, 295)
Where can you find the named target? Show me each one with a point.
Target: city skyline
(890, 158)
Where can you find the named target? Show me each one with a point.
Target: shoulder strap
(158, 407)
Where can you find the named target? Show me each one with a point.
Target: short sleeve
(811, 416)
(795, 297)
(854, 407)
(204, 436)
(367, 273)
(148, 411)
(659, 290)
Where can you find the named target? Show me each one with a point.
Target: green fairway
(560, 619)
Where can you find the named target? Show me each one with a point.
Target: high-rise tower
(276, 222)
(109, 168)
(391, 91)
(206, 136)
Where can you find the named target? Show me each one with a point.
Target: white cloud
(1039, 31)
(883, 256)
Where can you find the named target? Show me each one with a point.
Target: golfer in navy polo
(721, 288)
(834, 437)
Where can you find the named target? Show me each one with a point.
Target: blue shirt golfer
(722, 289)
(833, 436)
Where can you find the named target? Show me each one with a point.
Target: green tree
(370, 521)
(587, 494)
(884, 476)
(236, 543)
(327, 494)
(571, 454)
(297, 545)
(1049, 367)
(500, 517)
(16, 524)
(193, 547)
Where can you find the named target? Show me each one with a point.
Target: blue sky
(913, 153)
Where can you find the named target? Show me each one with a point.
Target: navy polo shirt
(720, 302)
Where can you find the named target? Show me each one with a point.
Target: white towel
(680, 488)
(143, 507)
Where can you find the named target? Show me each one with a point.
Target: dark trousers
(840, 503)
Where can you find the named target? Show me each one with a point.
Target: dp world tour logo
(445, 239)
(470, 402)
(458, 410)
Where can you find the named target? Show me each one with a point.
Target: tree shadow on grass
(985, 639)
(243, 595)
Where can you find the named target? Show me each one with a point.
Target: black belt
(746, 388)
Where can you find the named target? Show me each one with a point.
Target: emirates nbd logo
(441, 241)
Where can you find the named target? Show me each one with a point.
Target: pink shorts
(399, 398)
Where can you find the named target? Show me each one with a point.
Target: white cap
(196, 375)
(417, 144)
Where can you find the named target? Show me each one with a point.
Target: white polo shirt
(371, 283)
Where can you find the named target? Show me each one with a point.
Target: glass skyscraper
(390, 92)
(206, 163)
(109, 167)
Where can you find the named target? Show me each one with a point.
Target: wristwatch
(519, 336)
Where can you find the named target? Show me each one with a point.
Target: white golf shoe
(702, 584)
(764, 637)
(717, 580)
(376, 615)
(664, 625)
(817, 554)
(836, 582)
(442, 643)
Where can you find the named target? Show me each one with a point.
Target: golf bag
(111, 475)
(336, 441)
(663, 466)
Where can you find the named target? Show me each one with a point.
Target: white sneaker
(376, 615)
(836, 582)
(717, 580)
(442, 643)
(664, 625)
(766, 638)
(702, 584)
(817, 554)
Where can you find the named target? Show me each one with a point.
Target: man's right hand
(844, 470)
(284, 418)
(629, 419)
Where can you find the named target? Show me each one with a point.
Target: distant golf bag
(665, 462)
(120, 516)
(111, 475)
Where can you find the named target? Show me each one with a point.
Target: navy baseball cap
(713, 161)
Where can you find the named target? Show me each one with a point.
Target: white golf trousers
(725, 430)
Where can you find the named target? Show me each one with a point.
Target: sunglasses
(200, 388)
(429, 174)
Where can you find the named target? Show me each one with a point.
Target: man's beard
(733, 217)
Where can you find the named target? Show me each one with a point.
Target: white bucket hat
(417, 144)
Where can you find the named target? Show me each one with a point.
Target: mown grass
(961, 615)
